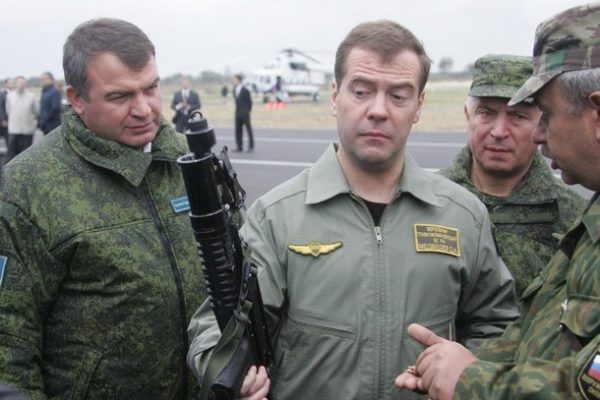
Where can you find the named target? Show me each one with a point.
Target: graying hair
(577, 86)
(104, 35)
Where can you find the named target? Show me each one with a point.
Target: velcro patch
(588, 379)
(437, 239)
(3, 260)
(180, 204)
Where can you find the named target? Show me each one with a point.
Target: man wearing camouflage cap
(502, 167)
(553, 350)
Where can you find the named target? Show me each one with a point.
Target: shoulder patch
(314, 249)
(3, 260)
(437, 239)
(588, 379)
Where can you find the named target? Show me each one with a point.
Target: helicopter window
(296, 66)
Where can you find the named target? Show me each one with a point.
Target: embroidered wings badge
(314, 249)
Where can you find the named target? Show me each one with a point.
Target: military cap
(499, 75)
(569, 41)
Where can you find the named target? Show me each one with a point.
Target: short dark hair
(239, 77)
(385, 38)
(104, 35)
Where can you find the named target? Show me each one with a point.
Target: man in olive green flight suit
(502, 167)
(364, 242)
(553, 350)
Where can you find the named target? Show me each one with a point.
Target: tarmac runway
(279, 154)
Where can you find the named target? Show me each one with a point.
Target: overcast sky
(240, 35)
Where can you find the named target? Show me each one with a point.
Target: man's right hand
(256, 385)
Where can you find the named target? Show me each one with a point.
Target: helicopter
(291, 73)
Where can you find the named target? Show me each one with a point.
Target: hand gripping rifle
(216, 201)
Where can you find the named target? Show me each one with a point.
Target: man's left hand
(438, 368)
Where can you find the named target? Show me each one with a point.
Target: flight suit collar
(130, 163)
(416, 181)
(326, 180)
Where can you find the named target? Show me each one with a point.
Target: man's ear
(420, 103)
(75, 100)
(334, 94)
(594, 103)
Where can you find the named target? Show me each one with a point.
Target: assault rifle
(216, 202)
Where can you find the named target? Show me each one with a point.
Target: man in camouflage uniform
(98, 269)
(502, 167)
(553, 351)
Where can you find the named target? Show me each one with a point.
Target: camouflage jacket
(552, 352)
(525, 221)
(100, 273)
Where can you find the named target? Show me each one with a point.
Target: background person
(502, 167)
(184, 102)
(552, 351)
(365, 242)
(100, 270)
(243, 107)
(23, 109)
(50, 104)
(7, 86)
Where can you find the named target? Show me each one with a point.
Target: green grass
(443, 109)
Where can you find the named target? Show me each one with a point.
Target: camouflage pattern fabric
(549, 353)
(569, 41)
(525, 221)
(101, 275)
(499, 75)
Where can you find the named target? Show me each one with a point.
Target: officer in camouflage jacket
(502, 167)
(553, 351)
(98, 270)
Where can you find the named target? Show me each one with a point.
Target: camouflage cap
(499, 75)
(569, 41)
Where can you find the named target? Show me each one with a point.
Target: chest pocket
(523, 214)
(581, 316)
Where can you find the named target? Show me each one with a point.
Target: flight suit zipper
(378, 236)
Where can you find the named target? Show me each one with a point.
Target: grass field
(443, 109)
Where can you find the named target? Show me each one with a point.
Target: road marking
(286, 163)
(272, 163)
(327, 141)
(303, 164)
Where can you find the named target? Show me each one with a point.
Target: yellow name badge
(437, 239)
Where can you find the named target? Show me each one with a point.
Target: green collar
(537, 185)
(326, 180)
(590, 221)
(128, 162)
